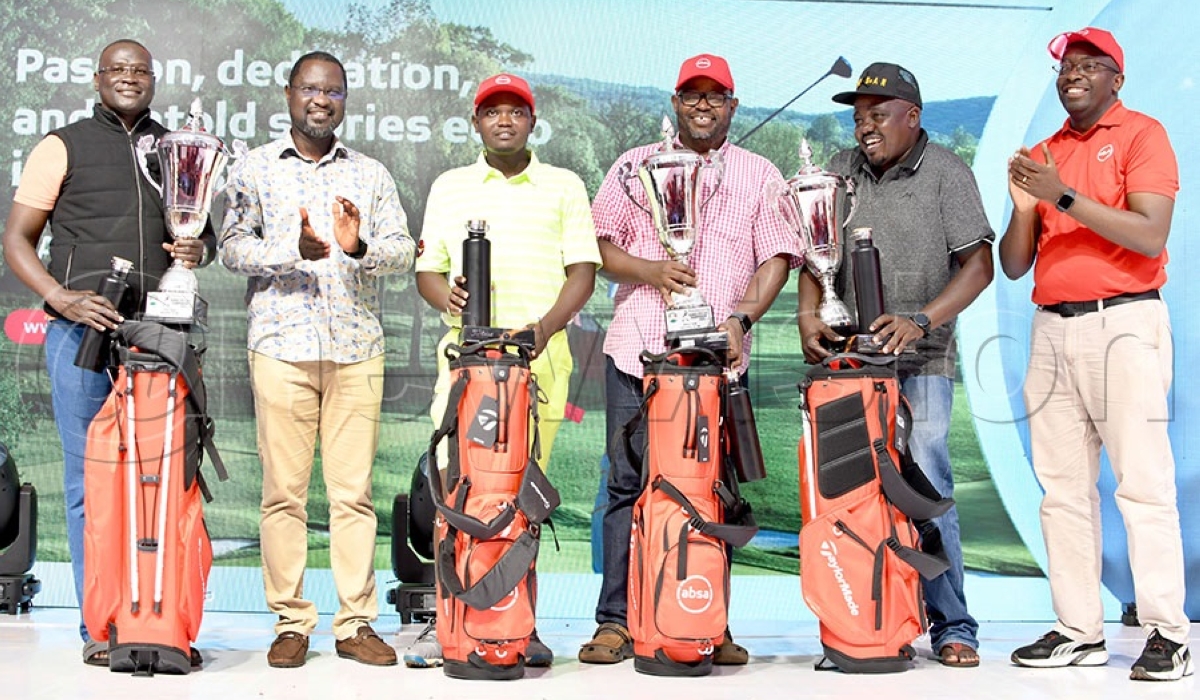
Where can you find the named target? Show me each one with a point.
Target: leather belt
(1079, 308)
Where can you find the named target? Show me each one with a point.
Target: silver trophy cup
(814, 205)
(672, 180)
(190, 161)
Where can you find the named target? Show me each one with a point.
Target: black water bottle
(477, 268)
(868, 278)
(91, 355)
(742, 433)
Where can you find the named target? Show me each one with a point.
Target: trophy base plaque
(689, 318)
(176, 308)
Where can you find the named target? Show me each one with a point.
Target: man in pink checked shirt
(741, 259)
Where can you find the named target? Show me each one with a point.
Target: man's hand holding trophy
(189, 163)
(673, 179)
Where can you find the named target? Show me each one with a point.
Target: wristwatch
(362, 250)
(1066, 200)
(922, 321)
(744, 319)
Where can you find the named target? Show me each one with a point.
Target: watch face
(922, 321)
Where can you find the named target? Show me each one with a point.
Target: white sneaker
(425, 651)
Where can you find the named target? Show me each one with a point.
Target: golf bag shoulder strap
(500, 579)
(738, 535)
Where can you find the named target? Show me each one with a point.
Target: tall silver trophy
(672, 179)
(817, 205)
(190, 162)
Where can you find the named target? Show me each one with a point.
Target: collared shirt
(306, 310)
(538, 224)
(739, 230)
(1124, 152)
(922, 212)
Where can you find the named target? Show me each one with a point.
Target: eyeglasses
(139, 72)
(691, 98)
(311, 91)
(1086, 68)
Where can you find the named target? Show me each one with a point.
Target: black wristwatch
(922, 321)
(744, 319)
(362, 250)
(1066, 200)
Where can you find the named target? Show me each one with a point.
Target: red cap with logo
(504, 82)
(1099, 38)
(705, 65)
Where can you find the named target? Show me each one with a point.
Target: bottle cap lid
(476, 227)
(862, 233)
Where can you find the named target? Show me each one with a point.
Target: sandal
(611, 644)
(95, 653)
(958, 655)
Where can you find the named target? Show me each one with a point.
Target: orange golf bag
(687, 514)
(491, 501)
(863, 503)
(146, 548)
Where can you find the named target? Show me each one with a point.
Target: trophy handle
(714, 162)
(145, 146)
(853, 201)
(624, 175)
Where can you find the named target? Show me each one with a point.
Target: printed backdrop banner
(603, 72)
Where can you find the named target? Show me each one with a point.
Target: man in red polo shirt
(1092, 208)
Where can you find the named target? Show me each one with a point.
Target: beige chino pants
(1101, 379)
(294, 403)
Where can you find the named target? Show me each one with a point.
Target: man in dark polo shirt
(935, 245)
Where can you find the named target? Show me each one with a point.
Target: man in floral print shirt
(313, 224)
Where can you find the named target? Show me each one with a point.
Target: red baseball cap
(705, 65)
(504, 82)
(1099, 38)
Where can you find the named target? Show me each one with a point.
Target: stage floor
(40, 654)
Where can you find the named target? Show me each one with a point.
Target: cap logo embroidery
(503, 80)
(872, 80)
(1104, 153)
(703, 63)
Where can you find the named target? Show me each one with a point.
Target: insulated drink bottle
(477, 268)
(868, 279)
(90, 355)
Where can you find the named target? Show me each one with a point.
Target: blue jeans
(623, 399)
(931, 398)
(77, 395)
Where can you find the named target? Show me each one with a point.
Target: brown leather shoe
(288, 651)
(366, 647)
(611, 644)
(730, 653)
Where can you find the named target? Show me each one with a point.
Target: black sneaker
(1162, 660)
(1056, 650)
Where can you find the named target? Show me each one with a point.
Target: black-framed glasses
(1087, 68)
(691, 98)
(139, 72)
(311, 91)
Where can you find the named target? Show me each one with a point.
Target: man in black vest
(85, 181)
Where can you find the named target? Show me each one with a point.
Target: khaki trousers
(294, 402)
(1101, 379)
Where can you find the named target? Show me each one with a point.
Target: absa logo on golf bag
(694, 594)
(829, 551)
